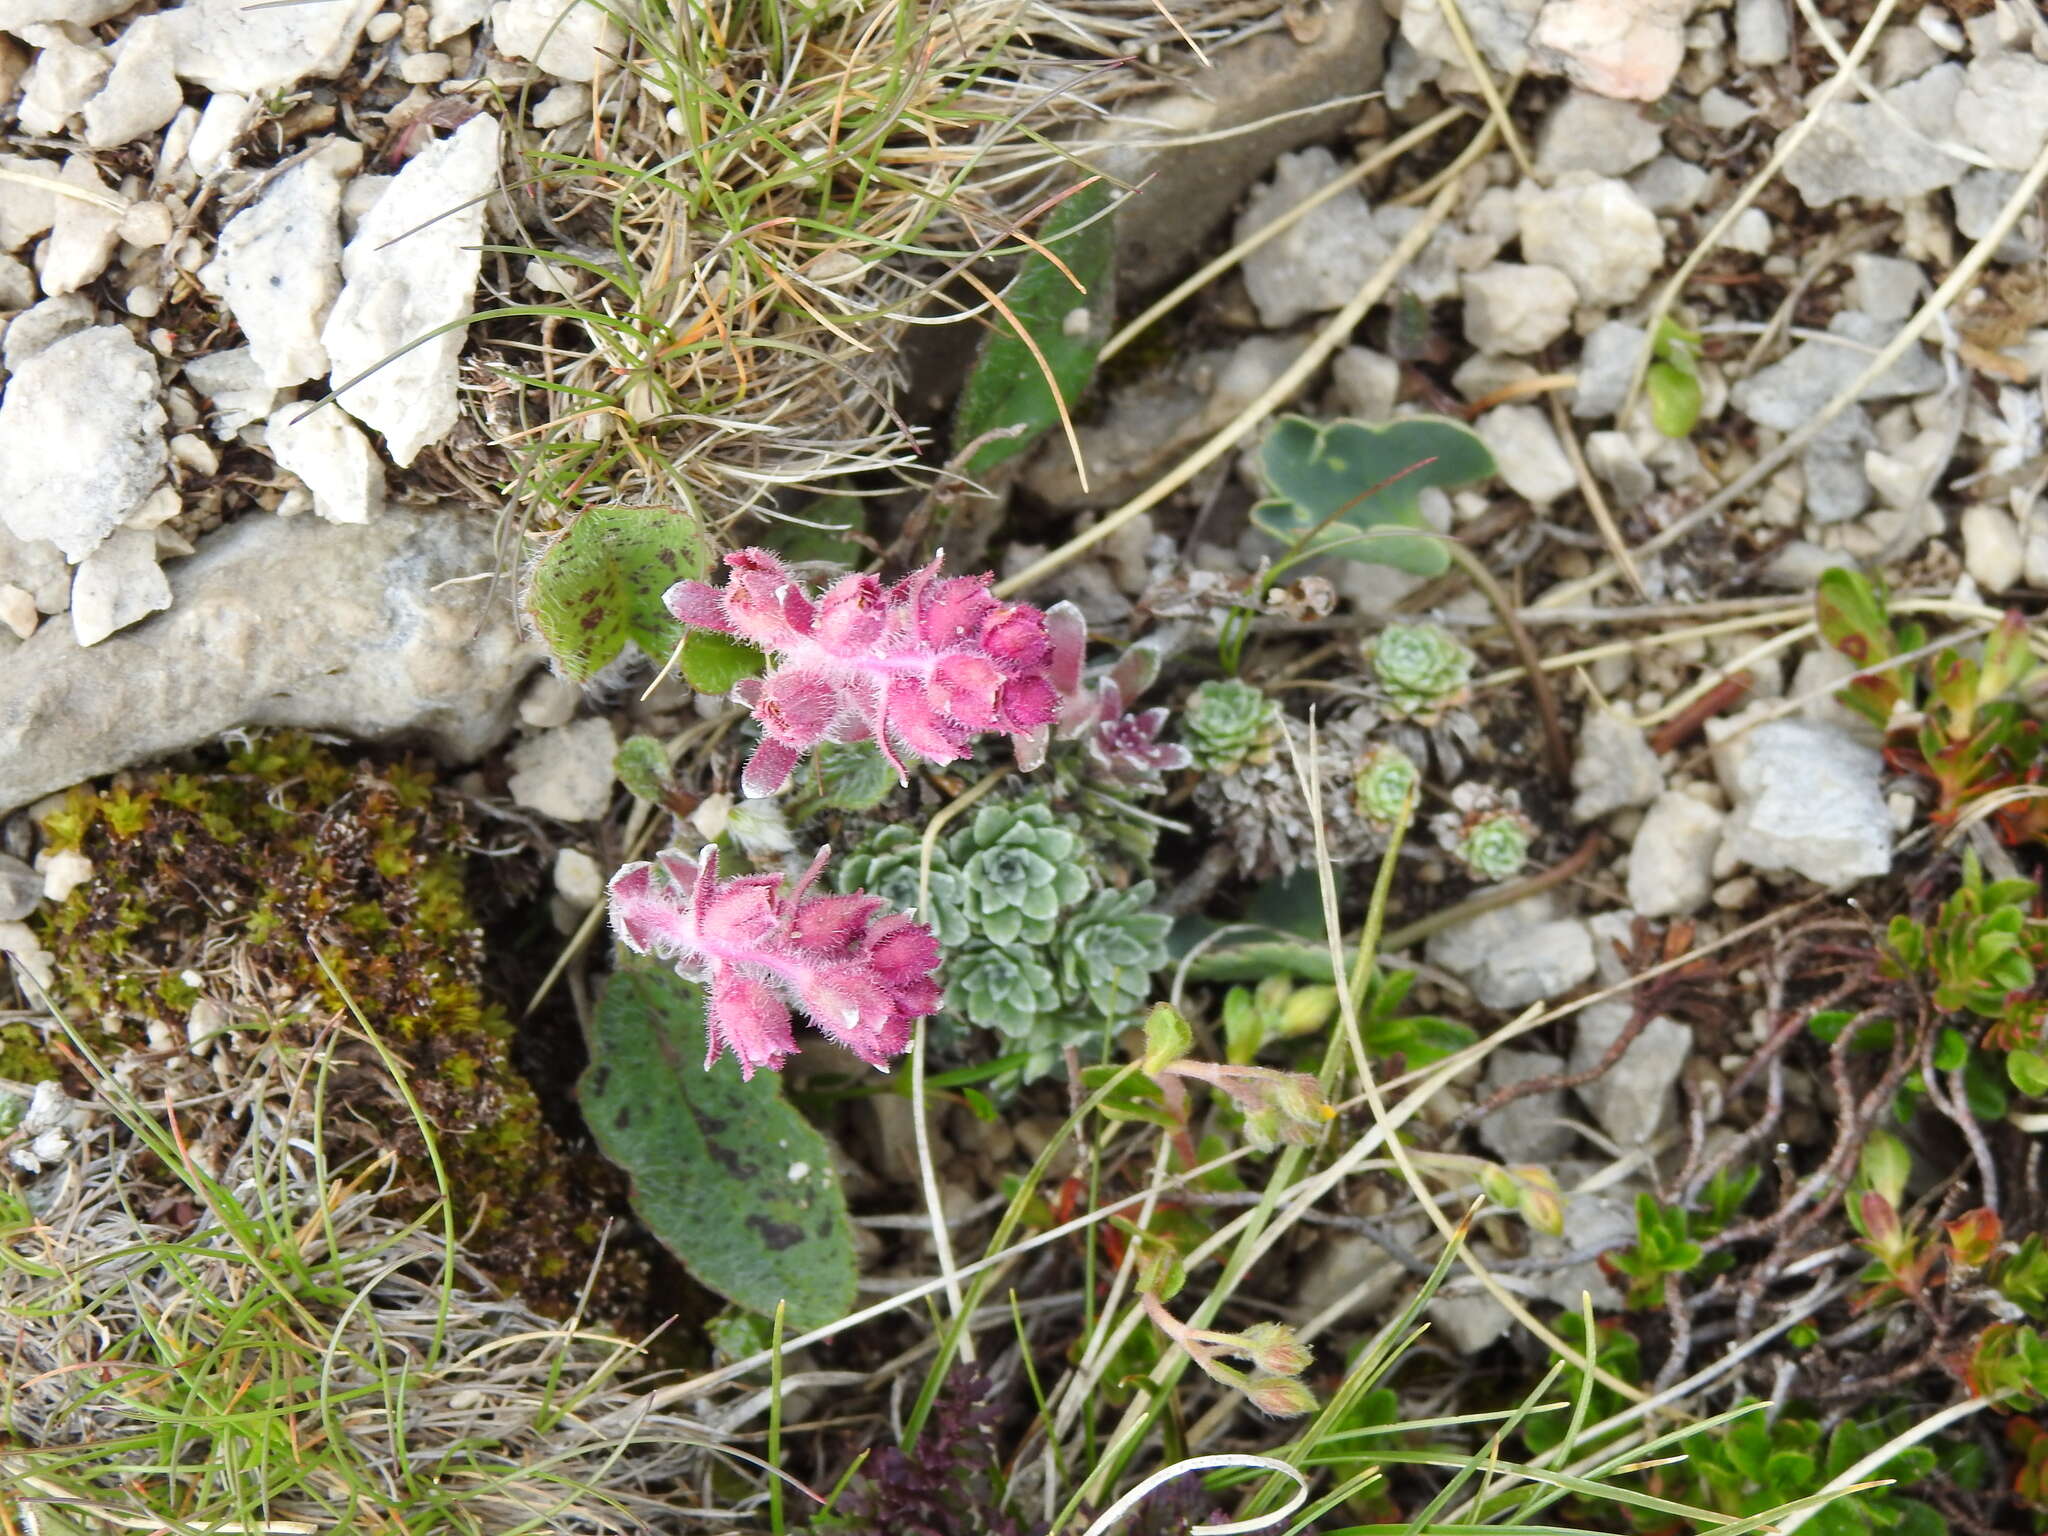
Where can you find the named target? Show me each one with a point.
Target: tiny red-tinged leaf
(1880, 1220)
(1974, 1237)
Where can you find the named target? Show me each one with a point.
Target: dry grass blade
(729, 249)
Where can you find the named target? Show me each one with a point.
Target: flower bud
(1272, 1347)
(1281, 1396)
(1498, 1185)
(1308, 1012)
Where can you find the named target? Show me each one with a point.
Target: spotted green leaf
(724, 1173)
(599, 584)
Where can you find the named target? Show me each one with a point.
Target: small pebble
(195, 453)
(424, 68)
(561, 106)
(18, 610)
(147, 224)
(63, 872)
(145, 301)
(1734, 895)
(413, 35)
(384, 26)
(578, 880)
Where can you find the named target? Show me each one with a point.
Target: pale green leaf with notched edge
(1323, 476)
(599, 584)
(852, 775)
(1007, 387)
(641, 764)
(714, 663)
(726, 1175)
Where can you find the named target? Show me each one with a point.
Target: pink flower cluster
(921, 667)
(862, 975)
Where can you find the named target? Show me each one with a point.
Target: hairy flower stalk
(922, 667)
(1277, 1359)
(861, 973)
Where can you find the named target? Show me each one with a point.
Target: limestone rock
(387, 650)
(37, 567)
(81, 439)
(396, 290)
(118, 584)
(1810, 800)
(1524, 444)
(1763, 32)
(1598, 233)
(1606, 363)
(62, 79)
(83, 233)
(1585, 132)
(218, 131)
(18, 15)
(1992, 551)
(1671, 864)
(2002, 109)
(25, 211)
(1323, 258)
(1623, 48)
(232, 386)
(1632, 1100)
(1615, 767)
(1858, 151)
(1500, 30)
(1525, 1130)
(330, 453)
(1516, 955)
(565, 773)
(141, 93)
(1191, 153)
(21, 889)
(227, 45)
(569, 39)
(278, 265)
(1515, 309)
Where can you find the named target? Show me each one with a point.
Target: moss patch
(244, 880)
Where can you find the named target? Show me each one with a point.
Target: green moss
(289, 864)
(22, 1056)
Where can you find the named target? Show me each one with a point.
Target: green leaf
(641, 764)
(852, 776)
(1850, 610)
(714, 663)
(1007, 387)
(817, 532)
(2029, 1072)
(726, 1175)
(1982, 1090)
(1334, 490)
(1674, 400)
(1168, 1038)
(599, 584)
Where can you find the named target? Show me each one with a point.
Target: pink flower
(1126, 749)
(922, 667)
(860, 973)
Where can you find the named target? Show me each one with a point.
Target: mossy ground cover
(296, 888)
